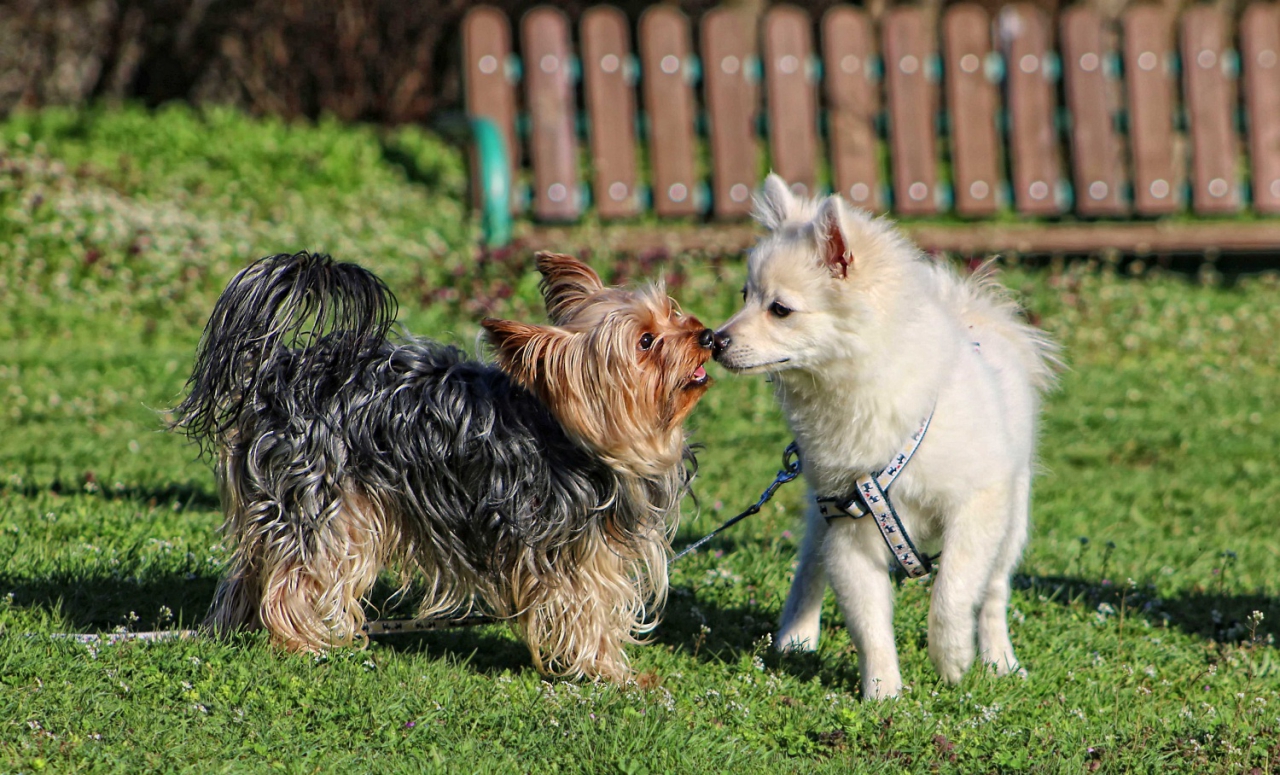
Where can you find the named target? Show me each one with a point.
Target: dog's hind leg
(802, 614)
(313, 588)
(235, 603)
(857, 565)
(994, 646)
(972, 544)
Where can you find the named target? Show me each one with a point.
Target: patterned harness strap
(872, 497)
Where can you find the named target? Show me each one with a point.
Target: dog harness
(871, 496)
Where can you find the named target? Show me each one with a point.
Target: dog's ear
(566, 282)
(833, 243)
(775, 204)
(524, 351)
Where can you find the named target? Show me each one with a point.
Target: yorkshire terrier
(542, 489)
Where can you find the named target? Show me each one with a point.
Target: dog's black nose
(707, 338)
(719, 341)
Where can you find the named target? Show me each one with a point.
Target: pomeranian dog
(864, 338)
(542, 489)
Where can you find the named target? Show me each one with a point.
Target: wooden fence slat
(1210, 111)
(544, 33)
(907, 53)
(1024, 34)
(611, 106)
(1260, 50)
(1095, 148)
(972, 101)
(1148, 68)
(665, 52)
(728, 49)
(486, 49)
(848, 51)
(793, 113)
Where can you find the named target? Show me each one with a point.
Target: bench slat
(1024, 34)
(848, 49)
(1260, 44)
(1148, 68)
(1210, 111)
(553, 142)
(665, 53)
(793, 112)
(486, 49)
(972, 102)
(728, 50)
(907, 52)
(1095, 148)
(611, 106)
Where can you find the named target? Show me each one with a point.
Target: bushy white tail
(986, 305)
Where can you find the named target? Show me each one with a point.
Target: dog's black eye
(744, 293)
(646, 341)
(778, 310)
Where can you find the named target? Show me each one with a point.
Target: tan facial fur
(620, 369)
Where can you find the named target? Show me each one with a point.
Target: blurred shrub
(148, 213)
(387, 61)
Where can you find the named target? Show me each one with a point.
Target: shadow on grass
(89, 604)
(486, 649)
(188, 495)
(1216, 616)
(735, 634)
(732, 635)
(86, 604)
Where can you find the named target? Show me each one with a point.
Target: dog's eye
(646, 341)
(778, 310)
(744, 293)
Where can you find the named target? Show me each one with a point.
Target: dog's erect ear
(566, 282)
(833, 245)
(525, 351)
(775, 204)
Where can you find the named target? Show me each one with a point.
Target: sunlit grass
(1154, 538)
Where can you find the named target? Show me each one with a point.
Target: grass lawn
(1155, 535)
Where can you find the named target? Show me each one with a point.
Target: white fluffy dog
(864, 337)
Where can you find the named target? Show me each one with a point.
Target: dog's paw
(885, 688)
(1002, 664)
(796, 641)
(951, 663)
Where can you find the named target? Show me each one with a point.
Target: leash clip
(790, 464)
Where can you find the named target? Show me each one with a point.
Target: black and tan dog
(542, 489)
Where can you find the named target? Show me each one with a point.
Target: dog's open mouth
(698, 378)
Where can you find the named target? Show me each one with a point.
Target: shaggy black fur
(303, 396)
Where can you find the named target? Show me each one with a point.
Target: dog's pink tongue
(700, 373)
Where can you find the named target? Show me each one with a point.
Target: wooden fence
(1065, 133)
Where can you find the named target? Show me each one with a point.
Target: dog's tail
(986, 304)
(274, 309)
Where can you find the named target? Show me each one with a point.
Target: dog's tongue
(699, 374)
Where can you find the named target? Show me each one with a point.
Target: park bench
(1004, 132)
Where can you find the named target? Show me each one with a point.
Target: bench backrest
(1045, 117)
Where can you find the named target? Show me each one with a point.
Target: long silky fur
(340, 452)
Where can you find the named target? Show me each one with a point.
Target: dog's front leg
(857, 565)
(802, 615)
(972, 539)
